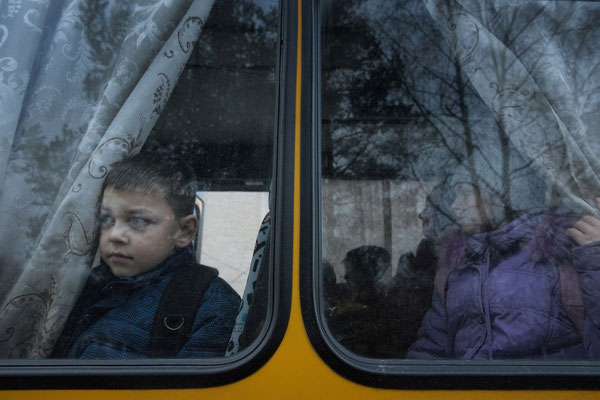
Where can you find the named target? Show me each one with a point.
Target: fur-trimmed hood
(541, 233)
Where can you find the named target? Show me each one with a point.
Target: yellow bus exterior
(295, 371)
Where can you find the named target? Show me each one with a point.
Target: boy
(146, 228)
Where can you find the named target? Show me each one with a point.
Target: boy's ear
(187, 230)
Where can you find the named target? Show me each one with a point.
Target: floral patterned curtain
(82, 83)
(536, 65)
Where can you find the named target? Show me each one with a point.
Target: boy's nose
(118, 233)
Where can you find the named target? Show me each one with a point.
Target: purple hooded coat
(503, 297)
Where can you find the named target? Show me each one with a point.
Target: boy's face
(138, 231)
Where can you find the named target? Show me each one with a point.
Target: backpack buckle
(174, 322)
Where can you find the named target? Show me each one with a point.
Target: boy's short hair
(149, 174)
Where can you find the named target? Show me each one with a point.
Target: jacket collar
(541, 233)
(104, 276)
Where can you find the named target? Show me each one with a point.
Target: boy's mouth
(118, 257)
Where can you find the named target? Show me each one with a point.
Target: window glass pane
(460, 177)
(102, 247)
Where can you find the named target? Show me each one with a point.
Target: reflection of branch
(426, 114)
(417, 60)
(355, 154)
(342, 169)
(455, 83)
(344, 137)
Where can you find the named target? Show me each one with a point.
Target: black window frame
(202, 373)
(396, 374)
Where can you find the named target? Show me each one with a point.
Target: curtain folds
(536, 67)
(80, 89)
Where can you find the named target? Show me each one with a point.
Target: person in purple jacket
(501, 283)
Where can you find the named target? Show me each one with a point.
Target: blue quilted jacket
(113, 317)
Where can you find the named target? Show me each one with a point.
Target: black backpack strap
(177, 309)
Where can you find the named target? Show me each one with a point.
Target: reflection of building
(230, 226)
(378, 212)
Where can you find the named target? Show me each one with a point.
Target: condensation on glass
(86, 84)
(460, 177)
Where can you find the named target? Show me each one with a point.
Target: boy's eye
(138, 222)
(106, 219)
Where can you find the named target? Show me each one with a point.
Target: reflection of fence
(231, 223)
(382, 213)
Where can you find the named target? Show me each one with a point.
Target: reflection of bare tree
(389, 100)
(365, 122)
(42, 156)
(242, 43)
(222, 109)
(397, 100)
(42, 165)
(84, 47)
(100, 42)
(467, 97)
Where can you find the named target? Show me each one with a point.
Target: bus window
(459, 180)
(188, 91)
